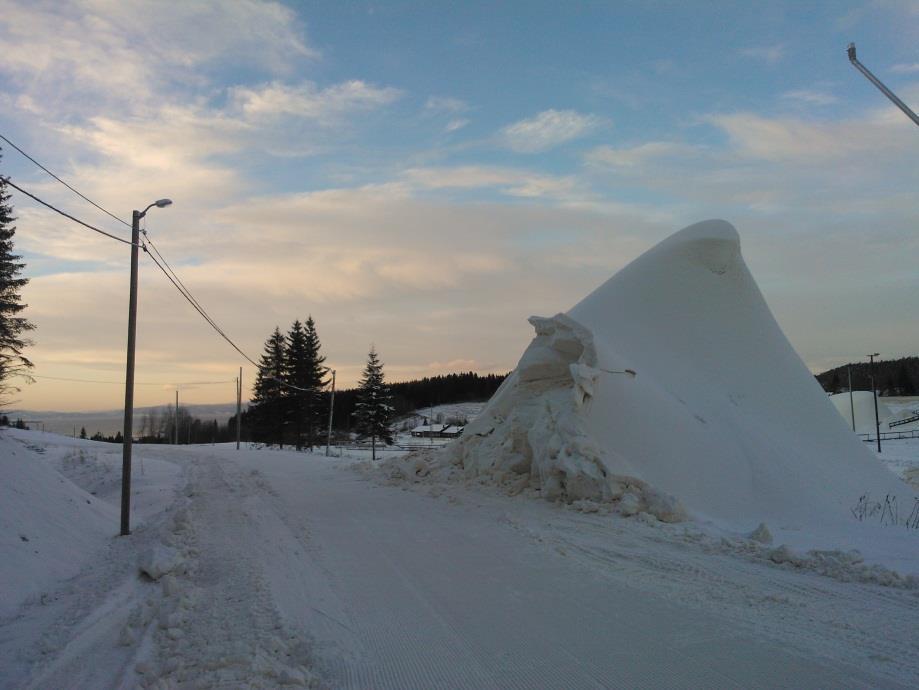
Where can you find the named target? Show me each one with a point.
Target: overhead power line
(173, 278)
(187, 293)
(8, 181)
(75, 191)
(136, 383)
(193, 302)
(160, 263)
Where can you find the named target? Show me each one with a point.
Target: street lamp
(874, 390)
(128, 431)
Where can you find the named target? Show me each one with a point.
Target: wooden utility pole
(175, 427)
(328, 438)
(874, 390)
(128, 430)
(239, 404)
(851, 403)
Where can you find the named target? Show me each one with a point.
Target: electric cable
(173, 277)
(7, 180)
(136, 383)
(161, 263)
(79, 194)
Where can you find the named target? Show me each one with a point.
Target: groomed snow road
(454, 587)
(290, 570)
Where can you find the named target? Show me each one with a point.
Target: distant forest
(417, 395)
(159, 424)
(894, 377)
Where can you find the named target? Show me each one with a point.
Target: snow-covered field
(284, 569)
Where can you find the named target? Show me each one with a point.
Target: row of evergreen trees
(289, 403)
(288, 388)
(892, 377)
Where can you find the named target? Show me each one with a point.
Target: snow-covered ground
(453, 413)
(284, 569)
(901, 456)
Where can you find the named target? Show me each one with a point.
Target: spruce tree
(316, 381)
(296, 400)
(13, 362)
(305, 372)
(269, 392)
(373, 411)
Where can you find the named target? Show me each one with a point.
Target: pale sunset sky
(424, 176)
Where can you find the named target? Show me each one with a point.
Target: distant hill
(894, 377)
(108, 422)
(407, 397)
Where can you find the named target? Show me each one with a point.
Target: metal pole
(175, 427)
(874, 390)
(883, 89)
(328, 438)
(239, 404)
(851, 404)
(128, 430)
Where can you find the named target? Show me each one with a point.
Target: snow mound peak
(671, 388)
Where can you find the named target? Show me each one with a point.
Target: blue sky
(424, 176)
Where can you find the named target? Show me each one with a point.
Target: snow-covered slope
(720, 412)
(49, 527)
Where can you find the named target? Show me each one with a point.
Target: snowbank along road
(279, 569)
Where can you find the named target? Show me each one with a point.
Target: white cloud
(634, 156)
(446, 104)
(454, 125)
(306, 100)
(77, 57)
(548, 129)
(453, 108)
(793, 139)
(811, 97)
(771, 54)
(905, 68)
(510, 181)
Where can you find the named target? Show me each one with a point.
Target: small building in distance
(437, 431)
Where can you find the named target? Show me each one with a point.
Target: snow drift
(669, 388)
(863, 402)
(49, 527)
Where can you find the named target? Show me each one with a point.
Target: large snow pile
(48, 525)
(720, 418)
(863, 403)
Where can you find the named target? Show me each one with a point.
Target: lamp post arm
(883, 89)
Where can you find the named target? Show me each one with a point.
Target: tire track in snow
(217, 626)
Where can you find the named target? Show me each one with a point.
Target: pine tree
(82, 432)
(12, 326)
(269, 393)
(373, 410)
